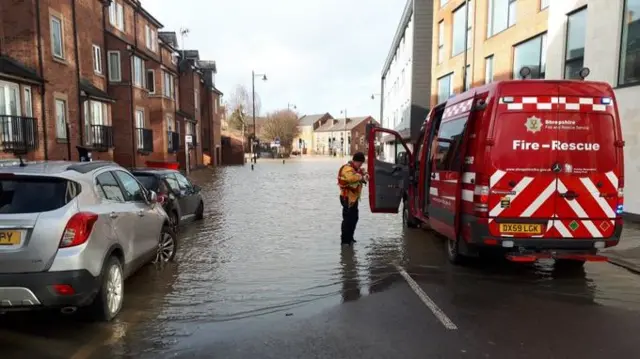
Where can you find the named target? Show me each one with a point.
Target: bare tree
(241, 101)
(282, 124)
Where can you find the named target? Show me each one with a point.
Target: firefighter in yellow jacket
(351, 178)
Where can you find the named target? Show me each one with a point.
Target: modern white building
(603, 35)
(406, 75)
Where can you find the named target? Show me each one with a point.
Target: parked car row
(72, 232)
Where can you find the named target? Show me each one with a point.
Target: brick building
(501, 36)
(336, 136)
(96, 74)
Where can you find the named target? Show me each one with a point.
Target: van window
(448, 154)
(33, 194)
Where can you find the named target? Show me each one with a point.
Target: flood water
(269, 246)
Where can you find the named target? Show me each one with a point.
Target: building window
(97, 59)
(459, 32)
(57, 44)
(168, 85)
(531, 53)
(441, 41)
(9, 99)
(115, 71)
(151, 81)
(488, 69)
(469, 24)
(61, 119)
(544, 4)
(138, 72)
(97, 117)
(467, 77)
(574, 53)
(444, 87)
(116, 15)
(502, 15)
(140, 124)
(196, 98)
(28, 102)
(150, 38)
(630, 49)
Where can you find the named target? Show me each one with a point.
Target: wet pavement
(263, 276)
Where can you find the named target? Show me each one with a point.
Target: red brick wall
(18, 31)
(61, 79)
(357, 133)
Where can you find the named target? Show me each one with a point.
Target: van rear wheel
(408, 220)
(453, 251)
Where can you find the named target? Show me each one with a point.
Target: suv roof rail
(10, 162)
(86, 167)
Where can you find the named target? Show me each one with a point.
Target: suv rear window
(33, 194)
(149, 182)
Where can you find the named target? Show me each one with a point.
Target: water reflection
(350, 280)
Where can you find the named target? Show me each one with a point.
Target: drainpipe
(42, 87)
(134, 143)
(77, 55)
(105, 62)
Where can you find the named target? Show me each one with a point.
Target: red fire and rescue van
(531, 167)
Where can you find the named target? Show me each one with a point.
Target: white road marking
(444, 319)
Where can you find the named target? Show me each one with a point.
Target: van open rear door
(587, 160)
(387, 181)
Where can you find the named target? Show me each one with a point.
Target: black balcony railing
(174, 142)
(145, 140)
(101, 137)
(19, 134)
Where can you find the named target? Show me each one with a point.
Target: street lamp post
(344, 151)
(253, 101)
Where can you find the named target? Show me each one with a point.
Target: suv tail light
(78, 229)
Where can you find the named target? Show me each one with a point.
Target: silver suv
(71, 232)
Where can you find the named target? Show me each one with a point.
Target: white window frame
(97, 59)
(196, 100)
(490, 18)
(167, 89)
(61, 128)
(151, 87)
(150, 38)
(28, 102)
(138, 76)
(58, 20)
(140, 123)
(116, 15)
(112, 74)
(488, 69)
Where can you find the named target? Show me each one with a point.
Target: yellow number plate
(9, 238)
(520, 228)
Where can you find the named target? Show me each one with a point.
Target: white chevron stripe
(580, 212)
(564, 232)
(517, 189)
(595, 194)
(613, 179)
(496, 177)
(535, 205)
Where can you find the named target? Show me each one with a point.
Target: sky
(319, 55)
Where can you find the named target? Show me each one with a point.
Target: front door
(387, 181)
(147, 224)
(447, 161)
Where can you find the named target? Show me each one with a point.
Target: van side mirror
(402, 159)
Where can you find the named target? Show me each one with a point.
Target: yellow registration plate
(9, 238)
(520, 228)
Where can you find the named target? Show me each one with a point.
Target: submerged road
(264, 276)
